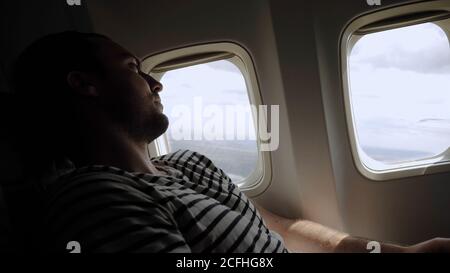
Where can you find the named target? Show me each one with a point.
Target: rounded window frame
(260, 178)
(347, 42)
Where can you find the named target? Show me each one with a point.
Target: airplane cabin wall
(407, 210)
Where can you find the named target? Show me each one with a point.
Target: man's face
(129, 96)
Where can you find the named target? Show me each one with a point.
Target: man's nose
(155, 85)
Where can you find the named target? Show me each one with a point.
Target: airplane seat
(5, 226)
(20, 185)
(10, 170)
(18, 197)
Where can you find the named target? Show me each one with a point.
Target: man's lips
(158, 102)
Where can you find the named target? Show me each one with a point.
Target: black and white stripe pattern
(195, 208)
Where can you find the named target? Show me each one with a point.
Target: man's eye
(134, 66)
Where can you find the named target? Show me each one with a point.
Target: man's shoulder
(188, 161)
(185, 159)
(97, 178)
(182, 155)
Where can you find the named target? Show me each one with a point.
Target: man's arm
(302, 235)
(307, 236)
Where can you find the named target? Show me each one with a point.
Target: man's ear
(81, 83)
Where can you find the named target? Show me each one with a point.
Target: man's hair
(46, 62)
(40, 82)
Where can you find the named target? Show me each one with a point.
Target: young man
(86, 99)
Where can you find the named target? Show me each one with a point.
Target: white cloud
(422, 48)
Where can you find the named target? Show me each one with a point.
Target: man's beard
(150, 127)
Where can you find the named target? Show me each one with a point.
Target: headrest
(11, 167)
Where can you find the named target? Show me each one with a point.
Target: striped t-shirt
(194, 208)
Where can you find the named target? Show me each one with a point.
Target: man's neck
(115, 148)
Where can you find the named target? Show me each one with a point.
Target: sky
(199, 87)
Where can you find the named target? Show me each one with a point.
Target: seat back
(20, 181)
(10, 163)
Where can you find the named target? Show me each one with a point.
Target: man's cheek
(142, 85)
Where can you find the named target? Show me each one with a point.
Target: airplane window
(399, 91)
(209, 111)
